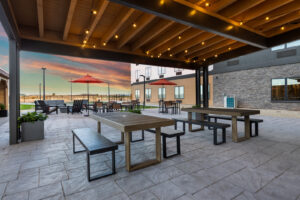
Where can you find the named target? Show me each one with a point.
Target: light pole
(144, 103)
(108, 90)
(71, 90)
(44, 69)
(40, 91)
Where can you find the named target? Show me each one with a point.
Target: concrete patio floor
(266, 167)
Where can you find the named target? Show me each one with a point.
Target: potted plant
(32, 126)
(3, 112)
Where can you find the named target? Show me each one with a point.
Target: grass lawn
(26, 107)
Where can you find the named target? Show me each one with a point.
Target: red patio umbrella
(87, 79)
(162, 82)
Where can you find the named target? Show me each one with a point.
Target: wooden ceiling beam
(171, 33)
(216, 7)
(192, 42)
(124, 14)
(184, 37)
(261, 9)
(141, 23)
(102, 6)
(69, 19)
(77, 51)
(158, 28)
(239, 7)
(181, 13)
(274, 14)
(40, 15)
(207, 44)
(211, 49)
(221, 50)
(279, 22)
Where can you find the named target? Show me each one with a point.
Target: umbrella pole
(88, 90)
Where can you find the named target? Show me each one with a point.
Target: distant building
(4, 88)
(184, 90)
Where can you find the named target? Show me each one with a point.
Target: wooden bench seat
(94, 143)
(214, 125)
(252, 121)
(167, 132)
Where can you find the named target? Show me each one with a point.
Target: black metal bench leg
(175, 125)
(256, 129)
(216, 136)
(164, 147)
(88, 166)
(178, 145)
(74, 150)
(113, 162)
(251, 135)
(138, 140)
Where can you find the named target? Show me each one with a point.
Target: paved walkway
(266, 167)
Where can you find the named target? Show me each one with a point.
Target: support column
(205, 87)
(197, 79)
(14, 91)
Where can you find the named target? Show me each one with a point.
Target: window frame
(161, 70)
(137, 74)
(164, 93)
(148, 69)
(178, 96)
(138, 93)
(148, 89)
(285, 91)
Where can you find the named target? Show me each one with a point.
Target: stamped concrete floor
(266, 167)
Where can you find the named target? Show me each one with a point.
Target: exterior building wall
(189, 91)
(252, 88)
(169, 72)
(3, 93)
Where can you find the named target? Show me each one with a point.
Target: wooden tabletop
(222, 111)
(126, 122)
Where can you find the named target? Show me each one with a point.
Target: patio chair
(46, 108)
(169, 105)
(76, 108)
(37, 106)
(98, 106)
(116, 106)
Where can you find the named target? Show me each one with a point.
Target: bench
(94, 143)
(252, 121)
(215, 126)
(167, 132)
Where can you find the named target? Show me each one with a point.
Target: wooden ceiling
(179, 30)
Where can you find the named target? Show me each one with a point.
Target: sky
(61, 69)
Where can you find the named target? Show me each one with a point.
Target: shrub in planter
(3, 112)
(32, 126)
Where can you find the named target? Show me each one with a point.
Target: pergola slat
(141, 23)
(40, 14)
(156, 30)
(69, 18)
(180, 13)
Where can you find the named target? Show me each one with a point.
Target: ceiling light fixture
(94, 12)
(104, 43)
(116, 36)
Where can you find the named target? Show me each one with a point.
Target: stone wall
(252, 88)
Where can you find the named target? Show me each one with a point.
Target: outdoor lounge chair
(46, 108)
(76, 108)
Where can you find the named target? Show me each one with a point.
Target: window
(179, 92)
(178, 70)
(148, 72)
(293, 44)
(278, 47)
(285, 89)
(201, 92)
(137, 94)
(161, 70)
(161, 93)
(137, 75)
(148, 93)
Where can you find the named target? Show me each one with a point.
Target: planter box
(32, 131)
(3, 113)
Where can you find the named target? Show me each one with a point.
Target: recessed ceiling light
(179, 37)
(193, 12)
(94, 46)
(241, 23)
(94, 12)
(229, 48)
(134, 25)
(87, 32)
(169, 49)
(171, 55)
(186, 51)
(84, 41)
(282, 28)
(202, 43)
(116, 36)
(216, 55)
(204, 59)
(267, 18)
(104, 43)
(207, 4)
(147, 52)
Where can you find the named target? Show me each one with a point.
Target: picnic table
(127, 122)
(234, 113)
